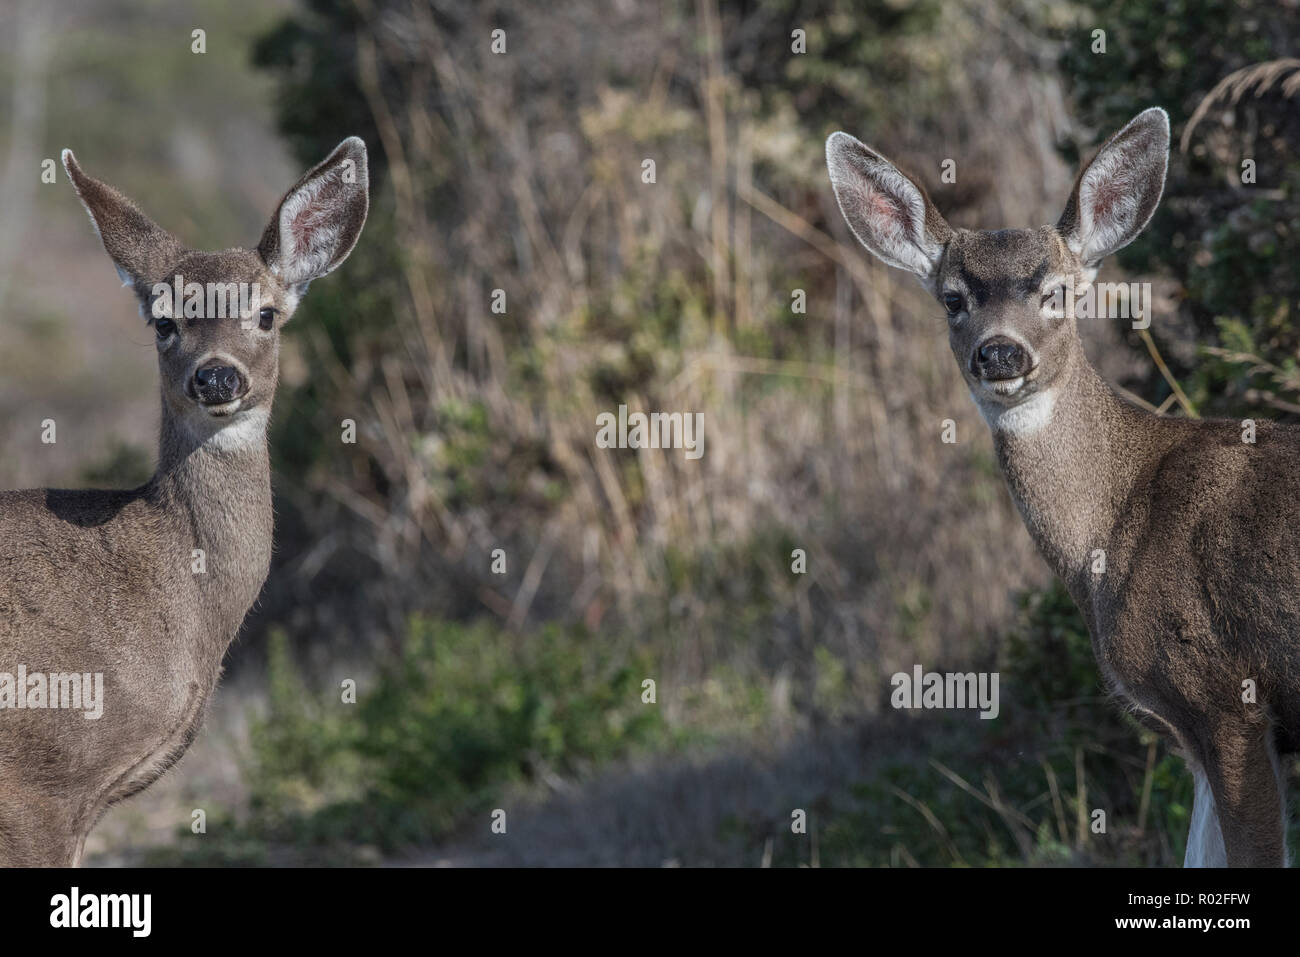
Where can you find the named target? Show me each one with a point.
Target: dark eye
(164, 328)
(953, 302)
(266, 319)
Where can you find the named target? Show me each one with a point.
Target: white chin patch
(241, 431)
(1022, 419)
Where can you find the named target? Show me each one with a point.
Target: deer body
(1176, 539)
(1186, 506)
(149, 587)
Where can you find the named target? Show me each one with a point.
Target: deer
(145, 589)
(1194, 608)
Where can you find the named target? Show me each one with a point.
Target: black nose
(217, 384)
(999, 358)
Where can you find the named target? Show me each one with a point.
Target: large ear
(140, 249)
(889, 213)
(1118, 191)
(320, 218)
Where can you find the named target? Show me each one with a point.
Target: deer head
(217, 316)
(1003, 290)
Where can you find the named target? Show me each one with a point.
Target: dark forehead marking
(1033, 282)
(1003, 264)
(981, 290)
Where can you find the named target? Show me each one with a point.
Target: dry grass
(822, 431)
(1284, 74)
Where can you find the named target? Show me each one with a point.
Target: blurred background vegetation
(522, 172)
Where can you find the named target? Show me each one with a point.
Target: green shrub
(467, 711)
(437, 735)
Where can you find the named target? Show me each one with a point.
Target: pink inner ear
(1106, 196)
(310, 221)
(885, 212)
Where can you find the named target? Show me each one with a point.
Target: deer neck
(1071, 455)
(214, 487)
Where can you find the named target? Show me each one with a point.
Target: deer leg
(1241, 771)
(38, 833)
